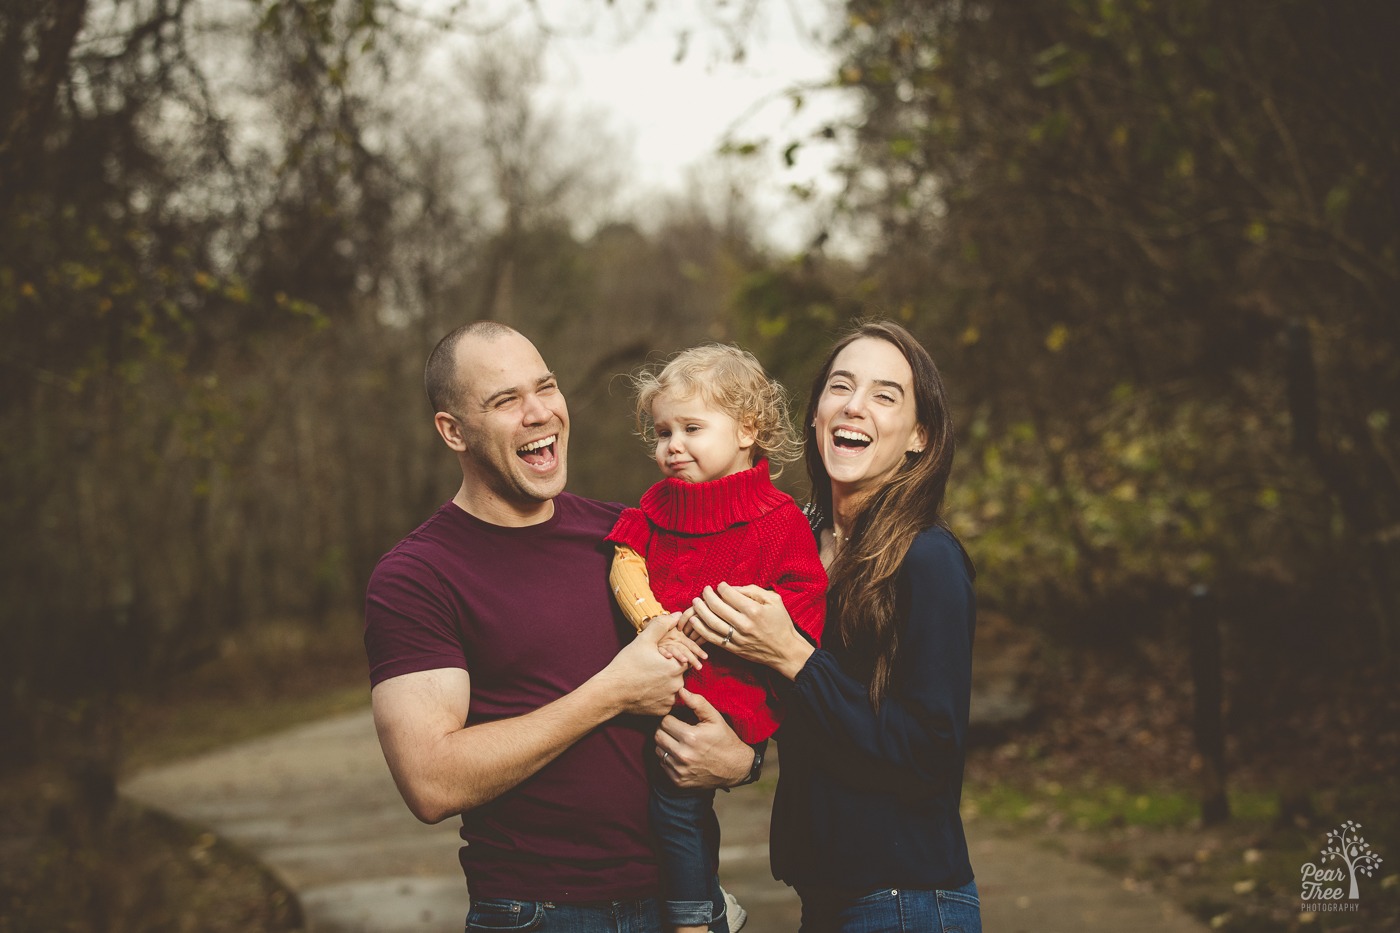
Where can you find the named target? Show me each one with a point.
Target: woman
(865, 823)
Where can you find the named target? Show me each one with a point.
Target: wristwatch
(757, 768)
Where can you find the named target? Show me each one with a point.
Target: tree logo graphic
(1323, 882)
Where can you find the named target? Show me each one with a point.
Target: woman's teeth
(848, 438)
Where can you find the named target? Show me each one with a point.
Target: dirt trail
(316, 804)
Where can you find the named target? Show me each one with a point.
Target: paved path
(317, 805)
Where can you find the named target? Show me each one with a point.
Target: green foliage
(1143, 494)
(788, 317)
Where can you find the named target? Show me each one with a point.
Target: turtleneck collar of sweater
(710, 507)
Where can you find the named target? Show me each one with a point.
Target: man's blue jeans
(489, 913)
(893, 910)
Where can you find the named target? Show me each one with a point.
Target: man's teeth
(536, 445)
(853, 436)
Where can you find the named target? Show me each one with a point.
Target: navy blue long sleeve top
(868, 798)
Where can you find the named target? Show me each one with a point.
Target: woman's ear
(918, 440)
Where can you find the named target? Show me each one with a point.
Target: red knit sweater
(737, 529)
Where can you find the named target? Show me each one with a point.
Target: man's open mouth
(847, 439)
(538, 453)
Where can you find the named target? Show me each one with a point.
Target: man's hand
(643, 680)
(707, 754)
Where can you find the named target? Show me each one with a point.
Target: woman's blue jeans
(893, 910)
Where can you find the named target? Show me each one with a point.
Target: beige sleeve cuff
(631, 587)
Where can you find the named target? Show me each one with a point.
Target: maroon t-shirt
(528, 613)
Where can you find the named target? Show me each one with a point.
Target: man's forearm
(481, 762)
(443, 767)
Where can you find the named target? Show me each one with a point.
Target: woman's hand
(753, 623)
(706, 754)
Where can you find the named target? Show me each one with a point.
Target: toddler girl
(716, 422)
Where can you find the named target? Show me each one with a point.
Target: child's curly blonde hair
(732, 380)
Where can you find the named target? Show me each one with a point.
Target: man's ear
(450, 430)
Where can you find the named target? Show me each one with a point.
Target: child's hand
(677, 647)
(685, 627)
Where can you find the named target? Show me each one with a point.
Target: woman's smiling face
(866, 417)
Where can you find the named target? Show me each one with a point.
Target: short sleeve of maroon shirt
(528, 613)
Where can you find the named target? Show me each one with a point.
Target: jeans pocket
(884, 896)
(959, 911)
(491, 913)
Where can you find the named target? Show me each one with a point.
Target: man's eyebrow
(879, 382)
(515, 390)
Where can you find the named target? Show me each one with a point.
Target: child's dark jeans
(687, 835)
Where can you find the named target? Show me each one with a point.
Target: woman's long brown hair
(864, 591)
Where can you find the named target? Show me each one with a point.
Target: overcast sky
(674, 110)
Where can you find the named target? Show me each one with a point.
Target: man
(505, 687)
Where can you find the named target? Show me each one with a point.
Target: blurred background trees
(1153, 245)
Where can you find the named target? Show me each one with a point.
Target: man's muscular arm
(442, 767)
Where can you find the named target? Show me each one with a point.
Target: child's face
(696, 442)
